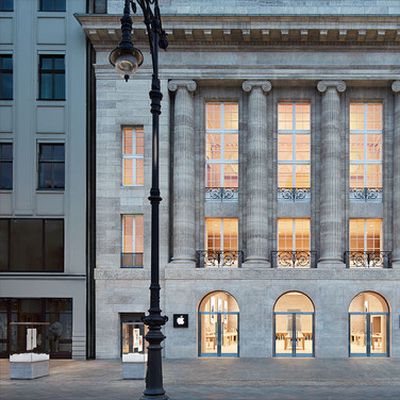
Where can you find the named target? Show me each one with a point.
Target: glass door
(294, 334)
(368, 334)
(219, 332)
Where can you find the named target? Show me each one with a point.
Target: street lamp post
(127, 59)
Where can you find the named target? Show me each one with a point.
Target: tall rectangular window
(52, 5)
(6, 5)
(294, 151)
(6, 77)
(6, 166)
(366, 145)
(52, 77)
(132, 241)
(365, 235)
(222, 147)
(32, 245)
(133, 156)
(51, 168)
(294, 244)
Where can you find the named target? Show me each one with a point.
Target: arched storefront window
(368, 326)
(219, 326)
(294, 326)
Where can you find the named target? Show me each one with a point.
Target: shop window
(132, 241)
(51, 168)
(369, 326)
(294, 151)
(219, 326)
(222, 151)
(133, 156)
(6, 166)
(51, 77)
(366, 147)
(32, 245)
(6, 77)
(52, 5)
(294, 326)
(133, 332)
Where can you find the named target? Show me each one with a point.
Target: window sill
(6, 191)
(50, 191)
(43, 102)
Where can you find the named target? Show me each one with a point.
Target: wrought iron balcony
(366, 194)
(222, 193)
(368, 259)
(294, 259)
(294, 194)
(219, 258)
(131, 260)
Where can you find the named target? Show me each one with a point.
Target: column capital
(396, 86)
(247, 86)
(340, 86)
(189, 85)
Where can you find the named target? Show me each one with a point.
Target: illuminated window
(293, 234)
(133, 156)
(222, 234)
(294, 148)
(366, 138)
(222, 156)
(365, 235)
(132, 241)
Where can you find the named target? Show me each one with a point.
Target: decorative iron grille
(222, 193)
(294, 194)
(368, 259)
(366, 194)
(219, 258)
(294, 259)
(131, 260)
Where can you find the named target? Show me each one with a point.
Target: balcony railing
(294, 194)
(373, 195)
(219, 258)
(294, 259)
(368, 259)
(131, 260)
(222, 193)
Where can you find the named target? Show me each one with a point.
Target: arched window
(294, 326)
(219, 326)
(369, 326)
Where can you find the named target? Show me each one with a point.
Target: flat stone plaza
(234, 379)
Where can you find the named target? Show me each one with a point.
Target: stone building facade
(306, 258)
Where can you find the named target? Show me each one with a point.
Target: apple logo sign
(181, 320)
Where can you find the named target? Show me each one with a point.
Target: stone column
(257, 251)
(396, 176)
(331, 197)
(183, 173)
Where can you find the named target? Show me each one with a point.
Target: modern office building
(280, 219)
(43, 253)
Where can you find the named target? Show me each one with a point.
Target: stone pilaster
(183, 173)
(396, 176)
(331, 196)
(257, 249)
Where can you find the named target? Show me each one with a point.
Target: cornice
(302, 31)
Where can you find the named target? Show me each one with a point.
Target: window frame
(293, 133)
(8, 161)
(39, 163)
(365, 132)
(293, 220)
(222, 132)
(52, 72)
(222, 246)
(365, 235)
(8, 71)
(7, 9)
(42, 2)
(134, 156)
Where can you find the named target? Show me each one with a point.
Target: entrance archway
(294, 326)
(368, 326)
(219, 325)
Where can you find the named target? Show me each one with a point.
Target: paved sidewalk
(217, 379)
